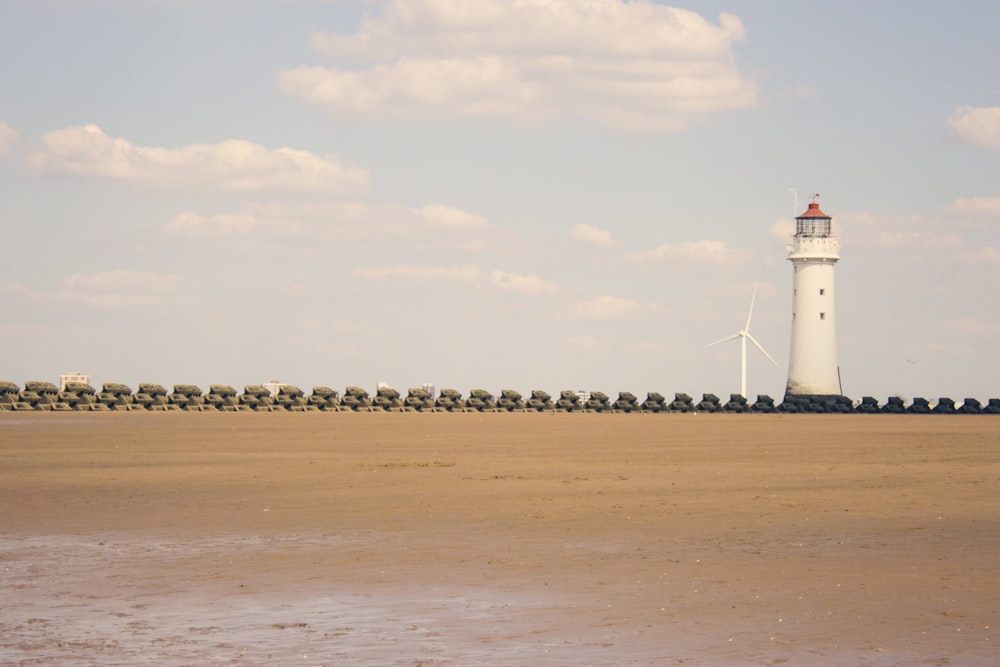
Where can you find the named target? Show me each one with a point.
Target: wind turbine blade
(750, 312)
(724, 340)
(759, 347)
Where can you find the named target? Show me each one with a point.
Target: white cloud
(453, 274)
(534, 26)
(783, 230)
(979, 206)
(584, 343)
(799, 91)
(518, 282)
(311, 219)
(14, 288)
(591, 235)
(971, 325)
(114, 289)
(638, 66)
(694, 252)
(300, 219)
(980, 126)
(122, 281)
(467, 274)
(339, 327)
(107, 300)
(8, 138)
(912, 239)
(234, 165)
(985, 255)
(416, 88)
(196, 225)
(24, 330)
(898, 232)
(609, 308)
(447, 217)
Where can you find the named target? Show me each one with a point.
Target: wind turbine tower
(812, 364)
(743, 335)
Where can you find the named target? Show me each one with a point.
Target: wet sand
(522, 539)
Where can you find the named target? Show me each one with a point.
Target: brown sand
(523, 539)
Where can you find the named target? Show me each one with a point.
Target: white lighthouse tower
(812, 364)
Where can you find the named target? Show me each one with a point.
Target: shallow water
(71, 601)
(121, 600)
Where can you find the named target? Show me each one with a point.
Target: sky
(529, 194)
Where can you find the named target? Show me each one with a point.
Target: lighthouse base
(816, 403)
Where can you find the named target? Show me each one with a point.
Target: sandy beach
(498, 539)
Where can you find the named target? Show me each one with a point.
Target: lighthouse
(812, 363)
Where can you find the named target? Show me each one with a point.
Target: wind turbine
(744, 334)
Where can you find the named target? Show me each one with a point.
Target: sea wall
(45, 396)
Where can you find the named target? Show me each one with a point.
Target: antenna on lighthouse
(744, 334)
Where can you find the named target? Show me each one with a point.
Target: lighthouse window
(822, 316)
(822, 291)
(815, 227)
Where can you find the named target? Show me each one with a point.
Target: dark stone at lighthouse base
(816, 403)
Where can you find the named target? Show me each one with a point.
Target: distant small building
(430, 389)
(383, 385)
(72, 377)
(273, 387)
